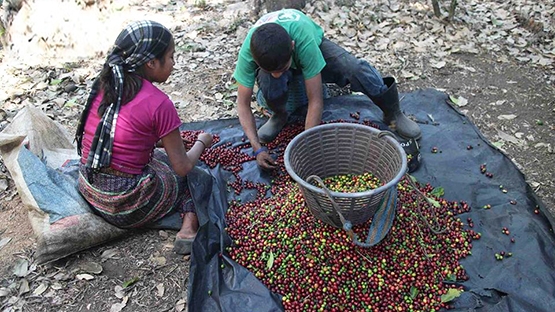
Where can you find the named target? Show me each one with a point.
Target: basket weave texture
(340, 149)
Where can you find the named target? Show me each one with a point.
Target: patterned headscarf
(137, 44)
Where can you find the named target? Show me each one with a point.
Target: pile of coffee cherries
(317, 267)
(351, 183)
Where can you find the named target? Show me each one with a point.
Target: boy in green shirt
(286, 47)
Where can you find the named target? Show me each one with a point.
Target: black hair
(271, 46)
(123, 70)
(132, 83)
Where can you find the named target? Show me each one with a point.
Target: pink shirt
(150, 116)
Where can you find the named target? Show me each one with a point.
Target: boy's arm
(246, 117)
(315, 101)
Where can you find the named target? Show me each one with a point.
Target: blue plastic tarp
(525, 282)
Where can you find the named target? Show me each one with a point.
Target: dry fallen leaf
(117, 307)
(439, 64)
(119, 292)
(24, 287)
(84, 277)
(161, 289)
(507, 117)
(56, 286)
(460, 101)
(180, 305)
(4, 241)
(4, 292)
(4, 184)
(91, 267)
(407, 74)
(39, 290)
(108, 254)
(509, 138)
(21, 268)
(159, 261)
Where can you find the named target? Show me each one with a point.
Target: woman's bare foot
(184, 239)
(189, 227)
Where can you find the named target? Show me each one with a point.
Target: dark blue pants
(341, 68)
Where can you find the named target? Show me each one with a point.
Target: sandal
(183, 246)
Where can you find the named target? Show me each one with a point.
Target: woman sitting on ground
(123, 176)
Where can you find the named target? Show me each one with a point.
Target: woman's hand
(206, 139)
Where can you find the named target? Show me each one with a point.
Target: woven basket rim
(305, 184)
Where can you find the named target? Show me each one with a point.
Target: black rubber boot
(414, 158)
(269, 131)
(388, 102)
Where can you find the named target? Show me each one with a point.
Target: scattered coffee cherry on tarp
(285, 246)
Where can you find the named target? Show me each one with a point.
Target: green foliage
(434, 202)
(498, 144)
(438, 191)
(130, 282)
(451, 278)
(451, 295)
(413, 292)
(270, 262)
(190, 47)
(70, 103)
(55, 82)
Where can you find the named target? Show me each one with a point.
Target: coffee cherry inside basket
(351, 183)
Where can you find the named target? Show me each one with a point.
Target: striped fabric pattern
(138, 201)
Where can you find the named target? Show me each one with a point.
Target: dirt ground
(495, 61)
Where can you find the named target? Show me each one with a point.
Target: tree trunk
(9, 9)
(263, 6)
(452, 9)
(437, 10)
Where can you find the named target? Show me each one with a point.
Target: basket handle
(385, 132)
(323, 186)
(333, 203)
(383, 218)
(385, 213)
(435, 228)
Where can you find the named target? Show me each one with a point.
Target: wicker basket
(339, 149)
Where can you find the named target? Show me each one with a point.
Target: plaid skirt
(132, 202)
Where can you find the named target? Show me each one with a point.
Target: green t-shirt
(306, 56)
